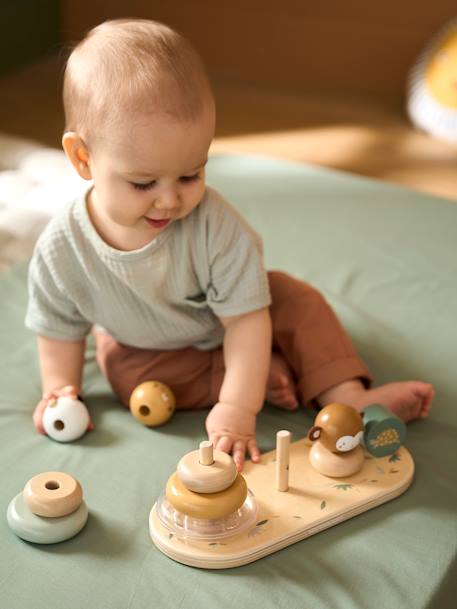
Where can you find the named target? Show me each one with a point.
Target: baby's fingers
(253, 450)
(38, 416)
(238, 451)
(223, 443)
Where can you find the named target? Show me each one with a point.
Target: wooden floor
(361, 136)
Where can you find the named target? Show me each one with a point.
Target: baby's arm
(247, 353)
(61, 366)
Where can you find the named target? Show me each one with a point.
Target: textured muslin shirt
(166, 295)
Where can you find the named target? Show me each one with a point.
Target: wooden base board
(313, 503)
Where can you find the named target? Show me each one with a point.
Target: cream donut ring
(211, 478)
(52, 494)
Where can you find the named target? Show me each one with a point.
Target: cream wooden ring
(335, 465)
(52, 494)
(207, 478)
(210, 505)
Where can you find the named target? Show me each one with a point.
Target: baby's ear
(314, 433)
(77, 153)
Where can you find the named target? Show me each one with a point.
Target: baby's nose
(167, 200)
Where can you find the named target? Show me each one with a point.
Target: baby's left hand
(232, 430)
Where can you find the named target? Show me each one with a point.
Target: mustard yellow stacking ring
(209, 505)
(53, 494)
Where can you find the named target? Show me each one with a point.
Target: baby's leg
(310, 339)
(322, 358)
(409, 400)
(194, 376)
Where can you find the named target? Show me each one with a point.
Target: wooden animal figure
(337, 433)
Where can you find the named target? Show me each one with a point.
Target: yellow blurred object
(432, 93)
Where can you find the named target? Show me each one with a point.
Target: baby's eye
(139, 186)
(189, 179)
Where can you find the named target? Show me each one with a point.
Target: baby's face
(149, 172)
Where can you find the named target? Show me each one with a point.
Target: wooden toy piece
(282, 460)
(335, 465)
(337, 432)
(384, 431)
(207, 470)
(152, 403)
(66, 419)
(313, 503)
(52, 494)
(33, 526)
(206, 505)
(206, 453)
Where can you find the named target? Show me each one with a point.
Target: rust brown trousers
(305, 331)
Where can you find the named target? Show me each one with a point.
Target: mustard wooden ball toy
(222, 507)
(152, 403)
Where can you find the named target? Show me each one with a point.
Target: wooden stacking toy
(384, 431)
(152, 403)
(66, 419)
(337, 433)
(50, 509)
(205, 499)
(301, 503)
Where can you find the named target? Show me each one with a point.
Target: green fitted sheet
(386, 259)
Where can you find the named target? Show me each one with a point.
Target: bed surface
(385, 257)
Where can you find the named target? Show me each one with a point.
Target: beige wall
(325, 46)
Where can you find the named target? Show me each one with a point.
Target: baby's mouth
(157, 223)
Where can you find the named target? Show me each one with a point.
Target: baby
(166, 274)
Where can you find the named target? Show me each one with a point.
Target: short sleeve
(238, 280)
(49, 311)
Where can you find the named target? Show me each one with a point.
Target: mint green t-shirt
(166, 295)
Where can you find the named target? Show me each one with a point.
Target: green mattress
(386, 258)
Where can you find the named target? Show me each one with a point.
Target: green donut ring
(39, 529)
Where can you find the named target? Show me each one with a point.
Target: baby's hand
(49, 398)
(232, 429)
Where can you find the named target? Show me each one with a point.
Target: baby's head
(139, 121)
(132, 67)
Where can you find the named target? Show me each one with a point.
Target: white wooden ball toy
(152, 403)
(50, 509)
(66, 419)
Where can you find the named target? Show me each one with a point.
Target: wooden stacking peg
(282, 460)
(206, 453)
(53, 494)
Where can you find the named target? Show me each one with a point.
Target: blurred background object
(321, 83)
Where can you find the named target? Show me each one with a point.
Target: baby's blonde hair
(126, 66)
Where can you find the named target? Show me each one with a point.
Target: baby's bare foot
(409, 400)
(280, 385)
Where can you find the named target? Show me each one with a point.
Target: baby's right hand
(49, 398)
